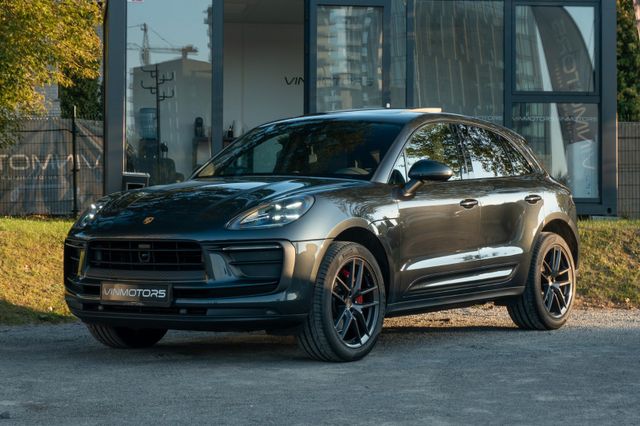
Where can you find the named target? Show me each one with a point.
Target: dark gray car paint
(427, 240)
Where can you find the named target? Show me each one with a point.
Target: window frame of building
(597, 43)
(412, 63)
(312, 8)
(604, 94)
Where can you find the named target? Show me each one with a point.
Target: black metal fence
(37, 173)
(629, 170)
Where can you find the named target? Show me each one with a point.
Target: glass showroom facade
(184, 78)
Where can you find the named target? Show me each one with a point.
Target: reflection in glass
(351, 149)
(565, 137)
(398, 53)
(349, 57)
(459, 57)
(555, 48)
(168, 98)
(488, 154)
(435, 142)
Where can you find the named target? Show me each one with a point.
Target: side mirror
(423, 171)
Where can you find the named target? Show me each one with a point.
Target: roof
(400, 116)
(382, 115)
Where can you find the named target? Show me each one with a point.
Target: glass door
(348, 58)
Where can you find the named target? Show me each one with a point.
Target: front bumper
(212, 299)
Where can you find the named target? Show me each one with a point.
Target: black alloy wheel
(356, 302)
(348, 305)
(550, 289)
(557, 280)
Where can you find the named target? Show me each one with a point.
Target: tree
(86, 95)
(628, 51)
(43, 42)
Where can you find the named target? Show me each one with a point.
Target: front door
(440, 223)
(347, 64)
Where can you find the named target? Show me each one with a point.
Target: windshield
(335, 148)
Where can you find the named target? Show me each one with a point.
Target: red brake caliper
(345, 274)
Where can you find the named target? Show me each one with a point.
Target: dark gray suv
(322, 226)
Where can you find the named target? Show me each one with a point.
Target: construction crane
(145, 49)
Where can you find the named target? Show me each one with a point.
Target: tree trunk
(636, 9)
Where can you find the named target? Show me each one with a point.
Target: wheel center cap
(349, 304)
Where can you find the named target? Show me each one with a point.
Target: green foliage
(86, 95)
(435, 142)
(9, 127)
(43, 42)
(628, 51)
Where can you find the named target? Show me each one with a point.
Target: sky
(178, 22)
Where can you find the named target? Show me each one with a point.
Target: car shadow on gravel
(233, 348)
(243, 348)
(439, 329)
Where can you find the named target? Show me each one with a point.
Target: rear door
(508, 193)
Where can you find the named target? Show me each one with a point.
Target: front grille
(146, 255)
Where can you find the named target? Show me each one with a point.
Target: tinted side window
(520, 164)
(435, 142)
(486, 154)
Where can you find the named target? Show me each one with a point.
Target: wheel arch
(368, 239)
(563, 228)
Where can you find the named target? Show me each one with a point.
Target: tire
(124, 337)
(342, 309)
(550, 290)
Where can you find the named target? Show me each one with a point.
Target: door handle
(469, 203)
(533, 198)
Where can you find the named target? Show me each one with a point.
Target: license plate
(138, 294)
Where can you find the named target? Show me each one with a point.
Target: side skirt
(449, 302)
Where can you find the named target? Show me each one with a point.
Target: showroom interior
(185, 78)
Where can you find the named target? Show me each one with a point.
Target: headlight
(276, 213)
(89, 214)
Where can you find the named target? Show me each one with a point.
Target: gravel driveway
(462, 366)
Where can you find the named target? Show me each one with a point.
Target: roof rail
(432, 110)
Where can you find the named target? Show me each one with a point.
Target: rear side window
(520, 164)
(489, 154)
(434, 142)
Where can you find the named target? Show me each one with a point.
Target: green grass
(31, 288)
(610, 263)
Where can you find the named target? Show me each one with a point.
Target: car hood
(197, 205)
